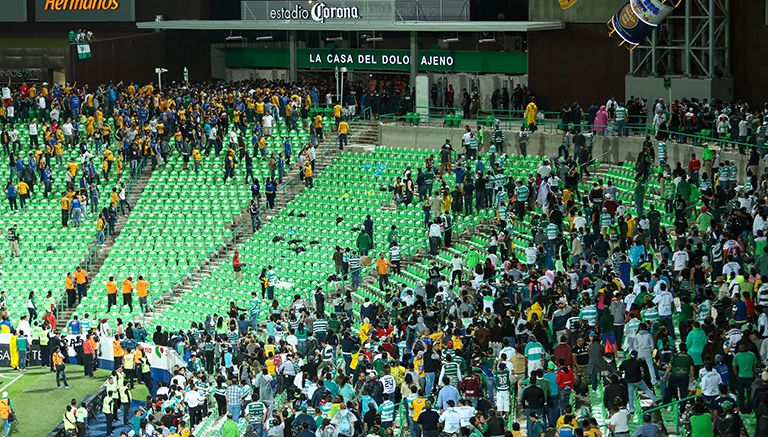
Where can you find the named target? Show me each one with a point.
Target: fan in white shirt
(679, 260)
(530, 255)
(451, 420)
(710, 381)
(579, 222)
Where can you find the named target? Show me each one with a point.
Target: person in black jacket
(431, 368)
(160, 338)
(495, 424)
(614, 390)
(533, 400)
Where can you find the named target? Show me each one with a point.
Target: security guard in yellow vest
(129, 364)
(108, 408)
(113, 388)
(70, 422)
(125, 402)
(45, 350)
(146, 377)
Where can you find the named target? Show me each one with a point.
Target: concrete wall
(584, 11)
(652, 88)
(748, 35)
(614, 150)
(580, 63)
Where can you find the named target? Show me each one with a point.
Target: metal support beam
(292, 55)
(693, 42)
(654, 63)
(686, 55)
(727, 30)
(414, 58)
(711, 39)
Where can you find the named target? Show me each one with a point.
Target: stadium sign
(72, 5)
(319, 12)
(376, 59)
(379, 60)
(76, 11)
(30, 74)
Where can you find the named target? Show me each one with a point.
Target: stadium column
(414, 58)
(292, 75)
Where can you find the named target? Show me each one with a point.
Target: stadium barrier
(92, 403)
(162, 359)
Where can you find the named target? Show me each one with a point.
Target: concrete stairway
(96, 254)
(364, 136)
(291, 187)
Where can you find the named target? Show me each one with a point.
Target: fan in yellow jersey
(343, 133)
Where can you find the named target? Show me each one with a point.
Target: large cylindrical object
(638, 18)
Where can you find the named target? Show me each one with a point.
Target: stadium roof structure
(398, 26)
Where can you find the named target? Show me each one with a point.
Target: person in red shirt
(471, 387)
(50, 318)
(88, 352)
(563, 352)
(750, 303)
(694, 165)
(565, 382)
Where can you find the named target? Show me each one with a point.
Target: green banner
(380, 60)
(83, 50)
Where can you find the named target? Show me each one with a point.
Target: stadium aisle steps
(364, 136)
(327, 153)
(102, 252)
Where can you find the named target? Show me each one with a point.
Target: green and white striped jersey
(501, 380)
(255, 413)
(387, 411)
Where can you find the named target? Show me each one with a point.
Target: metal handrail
(553, 124)
(234, 236)
(659, 407)
(213, 254)
(93, 249)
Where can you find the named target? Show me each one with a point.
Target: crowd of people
(605, 298)
(604, 303)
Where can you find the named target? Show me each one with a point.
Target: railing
(553, 125)
(92, 252)
(212, 255)
(676, 412)
(92, 403)
(366, 113)
(236, 235)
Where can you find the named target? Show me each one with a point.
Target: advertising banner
(638, 18)
(23, 74)
(160, 357)
(381, 60)
(84, 11)
(319, 12)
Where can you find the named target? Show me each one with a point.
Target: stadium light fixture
(264, 38)
(334, 38)
(234, 38)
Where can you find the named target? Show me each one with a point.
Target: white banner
(160, 357)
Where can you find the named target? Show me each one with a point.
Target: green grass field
(40, 405)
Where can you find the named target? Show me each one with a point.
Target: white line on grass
(5, 386)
